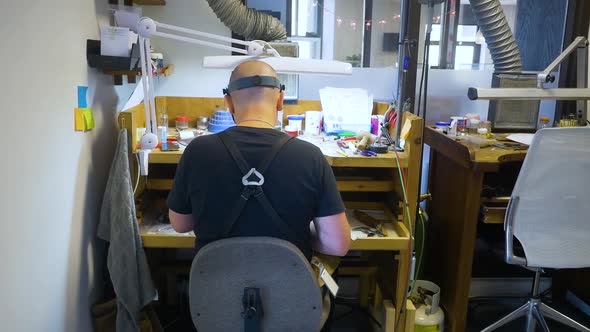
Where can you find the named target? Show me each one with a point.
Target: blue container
(220, 121)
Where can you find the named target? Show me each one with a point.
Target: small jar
(442, 126)
(544, 122)
(487, 125)
(473, 126)
(482, 131)
(182, 122)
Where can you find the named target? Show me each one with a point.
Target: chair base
(535, 312)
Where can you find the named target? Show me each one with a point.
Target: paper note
(82, 90)
(79, 119)
(521, 138)
(406, 129)
(346, 109)
(88, 119)
(114, 41)
(136, 97)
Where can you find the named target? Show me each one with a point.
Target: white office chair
(255, 284)
(549, 213)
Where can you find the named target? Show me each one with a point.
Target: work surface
(486, 158)
(329, 149)
(159, 235)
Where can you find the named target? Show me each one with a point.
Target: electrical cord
(409, 283)
(422, 222)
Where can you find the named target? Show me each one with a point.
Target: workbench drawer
(493, 210)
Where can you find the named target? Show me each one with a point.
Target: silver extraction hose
(501, 43)
(248, 22)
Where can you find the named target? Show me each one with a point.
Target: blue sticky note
(82, 96)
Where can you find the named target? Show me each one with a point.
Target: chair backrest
(290, 295)
(550, 205)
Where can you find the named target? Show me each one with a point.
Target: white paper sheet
(347, 109)
(136, 97)
(114, 41)
(521, 138)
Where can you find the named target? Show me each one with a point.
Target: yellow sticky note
(406, 129)
(78, 119)
(88, 119)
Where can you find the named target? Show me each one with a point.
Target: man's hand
(182, 223)
(331, 235)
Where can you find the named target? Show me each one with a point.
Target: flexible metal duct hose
(248, 22)
(494, 26)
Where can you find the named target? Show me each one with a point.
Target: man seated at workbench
(252, 180)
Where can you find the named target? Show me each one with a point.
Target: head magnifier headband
(254, 81)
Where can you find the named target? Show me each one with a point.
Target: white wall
(52, 177)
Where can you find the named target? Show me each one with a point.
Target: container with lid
(296, 121)
(473, 126)
(181, 122)
(544, 122)
(220, 121)
(443, 126)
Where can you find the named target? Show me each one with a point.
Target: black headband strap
(254, 81)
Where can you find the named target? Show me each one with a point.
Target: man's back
(299, 185)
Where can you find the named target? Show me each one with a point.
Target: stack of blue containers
(221, 121)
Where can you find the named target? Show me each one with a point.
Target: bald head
(252, 68)
(254, 97)
(255, 106)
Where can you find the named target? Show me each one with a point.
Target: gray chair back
(290, 295)
(549, 211)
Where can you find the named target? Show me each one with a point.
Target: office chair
(549, 213)
(255, 284)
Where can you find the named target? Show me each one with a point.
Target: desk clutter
(368, 175)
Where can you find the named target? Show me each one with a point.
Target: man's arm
(331, 235)
(182, 223)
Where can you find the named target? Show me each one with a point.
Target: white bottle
(279, 124)
(163, 127)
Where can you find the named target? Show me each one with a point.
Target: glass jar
(544, 122)
(182, 122)
(473, 126)
(487, 125)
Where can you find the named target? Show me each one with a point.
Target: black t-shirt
(299, 184)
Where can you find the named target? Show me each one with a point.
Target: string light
(353, 24)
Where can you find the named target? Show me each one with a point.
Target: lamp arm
(545, 76)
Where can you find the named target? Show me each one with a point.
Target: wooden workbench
(456, 183)
(364, 182)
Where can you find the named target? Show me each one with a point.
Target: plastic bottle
(279, 124)
(163, 127)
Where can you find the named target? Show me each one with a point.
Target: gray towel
(126, 259)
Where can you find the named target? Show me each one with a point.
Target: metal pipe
(246, 21)
(402, 70)
(494, 26)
